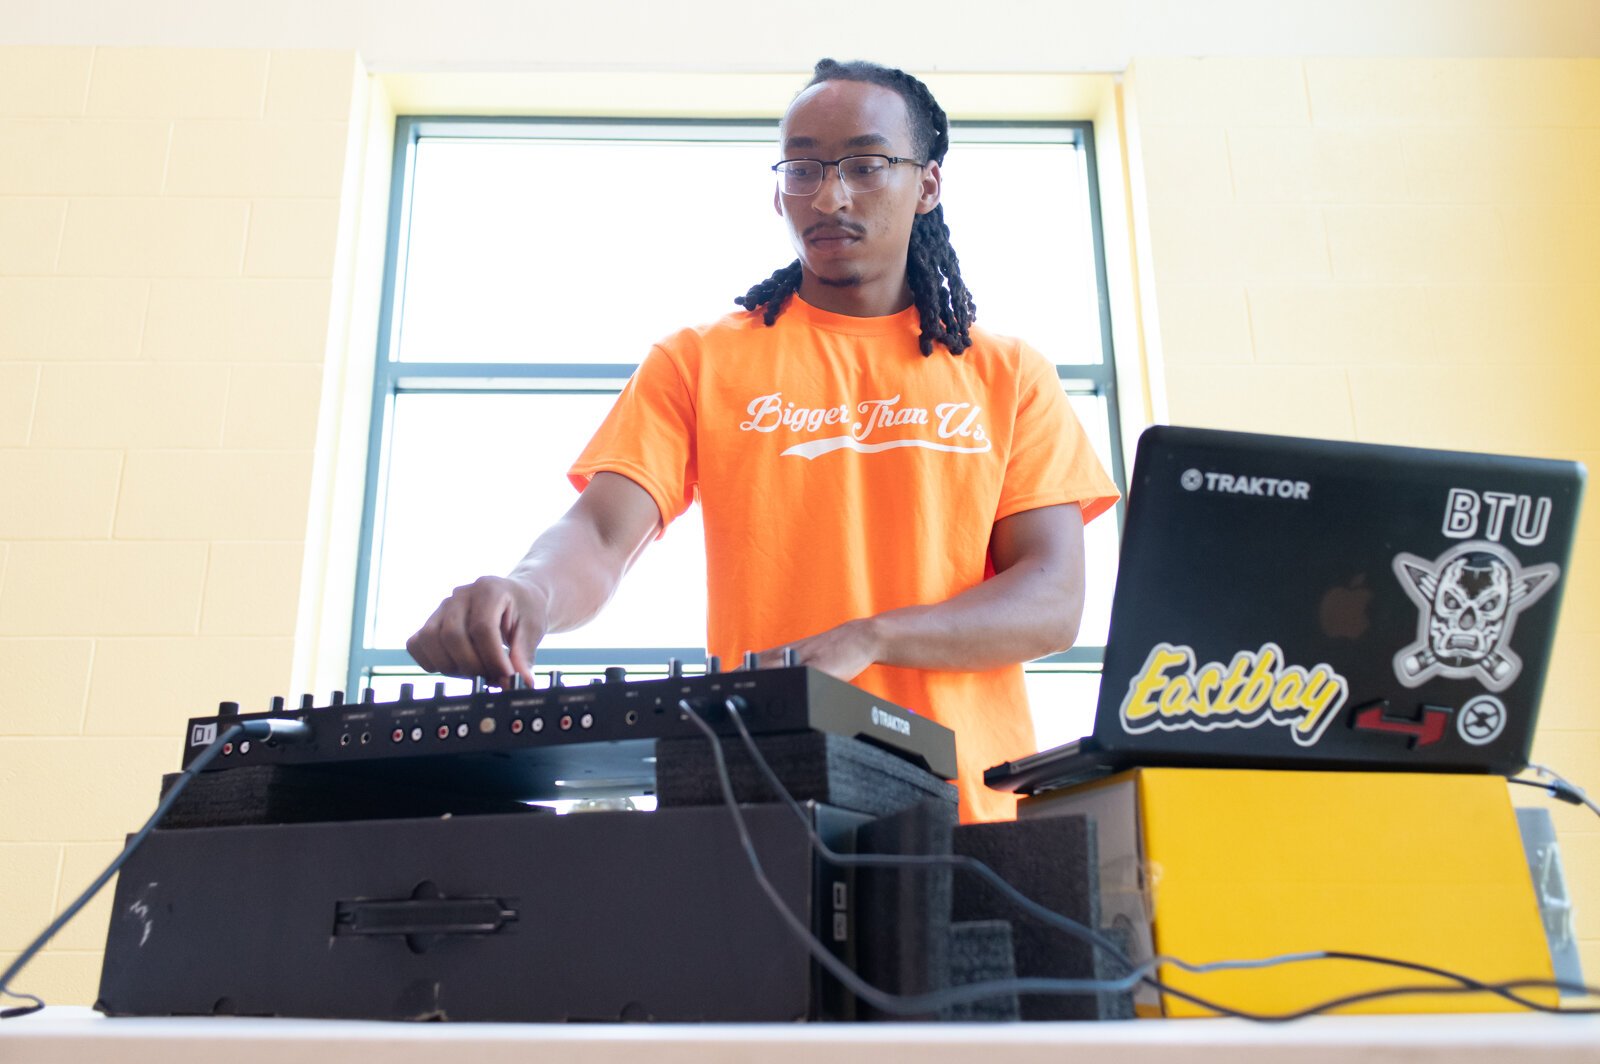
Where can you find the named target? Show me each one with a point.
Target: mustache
(834, 227)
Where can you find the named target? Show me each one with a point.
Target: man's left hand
(1030, 607)
(843, 652)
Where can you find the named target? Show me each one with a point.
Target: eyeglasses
(860, 173)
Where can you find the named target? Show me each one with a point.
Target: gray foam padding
(1054, 861)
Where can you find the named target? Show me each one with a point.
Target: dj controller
(566, 741)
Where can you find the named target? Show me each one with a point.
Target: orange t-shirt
(842, 474)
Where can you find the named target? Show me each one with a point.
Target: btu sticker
(1467, 599)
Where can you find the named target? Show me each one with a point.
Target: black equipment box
(516, 917)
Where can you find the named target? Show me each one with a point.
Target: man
(893, 494)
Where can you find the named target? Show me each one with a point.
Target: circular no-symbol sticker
(1482, 720)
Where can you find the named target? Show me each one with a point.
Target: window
(532, 263)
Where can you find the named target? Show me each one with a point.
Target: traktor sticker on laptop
(1255, 688)
(1467, 600)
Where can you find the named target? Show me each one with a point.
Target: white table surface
(63, 1035)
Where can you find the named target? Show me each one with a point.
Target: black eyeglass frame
(838, 165)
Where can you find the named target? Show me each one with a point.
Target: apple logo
(1343, 613)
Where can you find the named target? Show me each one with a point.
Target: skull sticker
(1468, 600)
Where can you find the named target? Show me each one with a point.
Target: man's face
(854, 239)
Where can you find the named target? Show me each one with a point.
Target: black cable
(6, 1014)
(1506, 990)
(264, 729)
(1559, 788)
(1550, 788)
(1137, 973)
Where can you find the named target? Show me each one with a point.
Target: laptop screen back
(1334, 604)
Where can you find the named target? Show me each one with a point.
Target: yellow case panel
(1423, 868)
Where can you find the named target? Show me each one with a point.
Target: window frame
(393, 377)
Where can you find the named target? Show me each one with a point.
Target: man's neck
(865, 300)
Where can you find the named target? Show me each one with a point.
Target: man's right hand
(487, 628)
(492, 626)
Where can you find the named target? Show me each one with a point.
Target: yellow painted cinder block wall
(1395, 251)
(168, 222)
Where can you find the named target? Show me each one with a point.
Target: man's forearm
(572, 573)
(1029, 608)
(1014, 616)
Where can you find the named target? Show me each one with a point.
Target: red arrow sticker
(1425, 732)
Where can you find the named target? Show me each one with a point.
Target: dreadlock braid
(947, 312)
(942, 299)
(772, 292)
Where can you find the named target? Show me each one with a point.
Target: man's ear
(777, 200)
(932, 182)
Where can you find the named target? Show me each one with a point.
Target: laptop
(1297, 603)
